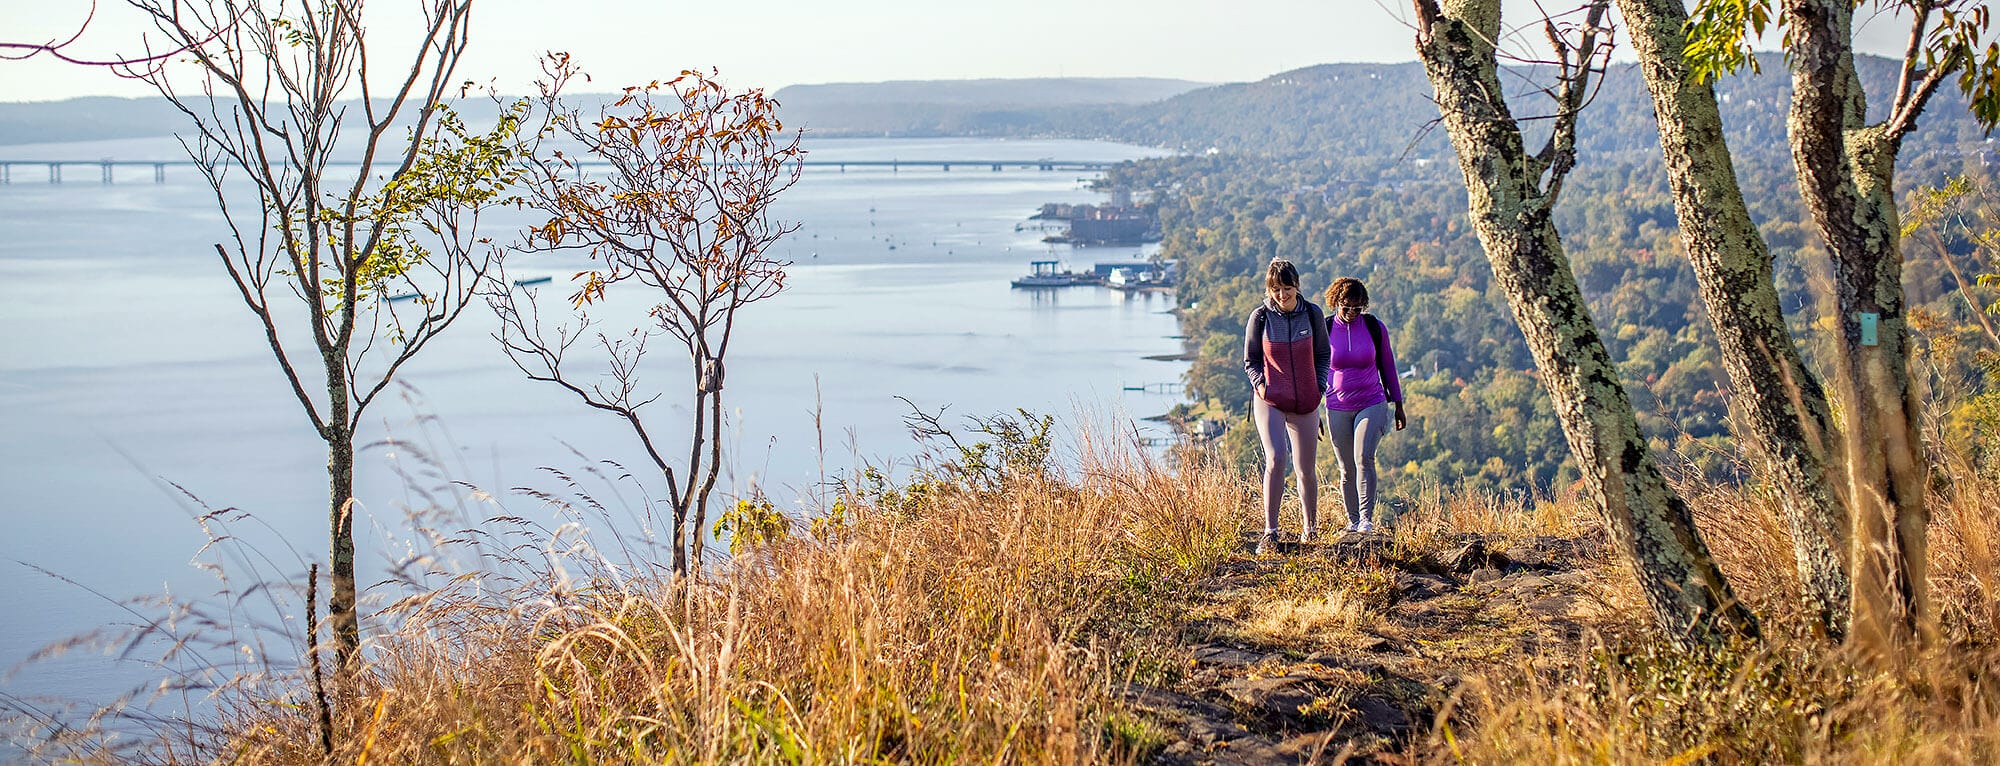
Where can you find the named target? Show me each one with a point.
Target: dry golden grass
(1622, 697)
(993, 621)
(1332, 620)
(957, 626)
(1439, 513)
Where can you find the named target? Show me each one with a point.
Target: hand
(1260, 392)
(1400, 422)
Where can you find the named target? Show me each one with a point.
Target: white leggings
(1355, 434)
(1280, 430)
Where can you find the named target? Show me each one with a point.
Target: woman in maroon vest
(1285, 353)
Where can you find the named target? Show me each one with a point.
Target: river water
(136, 391)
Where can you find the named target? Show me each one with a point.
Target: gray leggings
(1355, 435)
(1280, 431)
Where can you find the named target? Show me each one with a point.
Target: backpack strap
(1376, 333)
(1319, 321)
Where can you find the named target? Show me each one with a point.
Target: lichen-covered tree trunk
(1780, 405)
(1846, 171)
(1649, 522)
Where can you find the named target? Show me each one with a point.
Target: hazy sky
(774, 43)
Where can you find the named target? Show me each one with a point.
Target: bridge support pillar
(159, 172)
(55, 172)
(104, 172)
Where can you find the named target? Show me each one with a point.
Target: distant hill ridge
(91, 118)
(1335, 111)
(902, 107)
(1040, 91)
(1328, 110)
(991, 107)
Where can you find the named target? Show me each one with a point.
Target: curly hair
(1346, 290)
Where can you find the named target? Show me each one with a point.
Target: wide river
(135, 389)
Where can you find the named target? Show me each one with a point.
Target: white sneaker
(1364, 527)
(1267, 544)
(1352, 527)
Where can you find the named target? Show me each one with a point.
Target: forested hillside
(1333, 167)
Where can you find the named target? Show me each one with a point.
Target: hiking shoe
(1352, 527)
(1306, 536)
(1364, 527)
(1267, 544)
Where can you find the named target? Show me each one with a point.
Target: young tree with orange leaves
(671, 195)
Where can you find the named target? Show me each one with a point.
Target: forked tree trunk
(708, 480)
(704, 462)
(1846, 170)
(1649, 522)
(1780, 405)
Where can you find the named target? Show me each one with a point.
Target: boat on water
(1044, 274)
(522, 282)
(1141, 277)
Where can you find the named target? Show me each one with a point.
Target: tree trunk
(1651, 524)
(1780, 405)
(708, 481)
(687, 528)
(339, 433)
(1846, 170)
(341, 604)
(680, 535)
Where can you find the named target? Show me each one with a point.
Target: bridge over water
(106, 169)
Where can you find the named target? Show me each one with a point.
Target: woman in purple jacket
(1285, 355)
(1364, 389)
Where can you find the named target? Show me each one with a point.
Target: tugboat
(1045, 275)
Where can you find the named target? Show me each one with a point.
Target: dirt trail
(1348, 650)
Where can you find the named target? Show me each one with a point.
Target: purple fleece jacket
(1363, 376)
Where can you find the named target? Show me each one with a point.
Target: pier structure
(106, 169)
